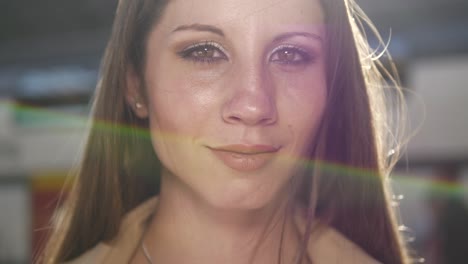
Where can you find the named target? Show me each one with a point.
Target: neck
(185, 229)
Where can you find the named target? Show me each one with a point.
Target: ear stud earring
(138, 105)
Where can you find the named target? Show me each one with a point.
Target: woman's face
(236, 90)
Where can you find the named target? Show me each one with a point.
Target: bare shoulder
(94, 255)
(328, 245)
(121, 248)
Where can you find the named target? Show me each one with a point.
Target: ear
(133, 95)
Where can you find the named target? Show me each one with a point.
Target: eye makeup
(204, 52)
(211, 52)
(288, 54)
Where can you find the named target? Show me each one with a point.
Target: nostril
(250, 105)
(250, 111)
(235, 118)
(267, 121)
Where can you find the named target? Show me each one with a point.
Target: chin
(244, 196)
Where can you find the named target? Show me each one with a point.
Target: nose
(252, 100)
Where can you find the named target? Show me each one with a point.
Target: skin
(249, 81)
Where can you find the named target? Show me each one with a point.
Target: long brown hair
(119, 168)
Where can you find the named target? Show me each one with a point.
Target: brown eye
(204, 52)
(290, 55)
(286, 55)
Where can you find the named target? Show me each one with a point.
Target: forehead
(249, 13)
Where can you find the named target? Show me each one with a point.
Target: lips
(245, 157)
(247, 149)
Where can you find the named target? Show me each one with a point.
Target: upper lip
(247, 148)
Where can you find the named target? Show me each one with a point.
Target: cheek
(301, 104)
(177, 100)
(303, 96)
(177, 105)
(175, 115)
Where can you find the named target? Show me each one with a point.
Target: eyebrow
(293, 34)
(200, 27)
(218, 31)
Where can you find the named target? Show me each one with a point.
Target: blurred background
(50, 52)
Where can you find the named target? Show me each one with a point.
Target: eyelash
(306, 56)
(188, 53)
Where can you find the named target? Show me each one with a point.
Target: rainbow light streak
(439, 186)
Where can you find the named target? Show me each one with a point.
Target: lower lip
(243, 162)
